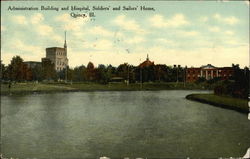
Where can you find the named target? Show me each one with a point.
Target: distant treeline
(17, 70)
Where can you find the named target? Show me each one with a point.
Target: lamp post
(66, 71)
(140, 75)
(184, 77)
(128, 74)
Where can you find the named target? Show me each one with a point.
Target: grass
(30, 87)
(240, 105)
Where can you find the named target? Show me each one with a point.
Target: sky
(191, 33)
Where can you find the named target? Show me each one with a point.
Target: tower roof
(65, 42)
(208, 66)
(146, 63)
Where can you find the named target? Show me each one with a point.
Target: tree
(103, 74)
(238, 86)
(122, 70)
(70, 72)
(2, 71)
(48, 70)
(90, 72)
(18, 71)
(160, 72)
(79, 73)
(26, 72)
(37, 73)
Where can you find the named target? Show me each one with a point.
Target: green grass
(237, 104)
(30, 87)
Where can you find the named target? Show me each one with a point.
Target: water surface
(119, 124)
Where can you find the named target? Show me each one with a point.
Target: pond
(120, 124)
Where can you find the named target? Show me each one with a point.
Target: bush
(230, 88)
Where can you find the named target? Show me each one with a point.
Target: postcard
(125, 79)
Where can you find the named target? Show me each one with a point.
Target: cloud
(101, 45)
(197, 57)
(57, 38)
(227, 20)
(7, 56)
(70, 23)
(176, 21)
(228, 32)
(37, 18)
(128, 24)
(135, 40)
(231, 20)
(63, 18)
(3, 28)
(232, 42)
(19, 19)
(166, 42)
(189, 33)
(99, 30)
(24, 48)
(204, 19)
(214, 29)
(44, 29)
(36, 21)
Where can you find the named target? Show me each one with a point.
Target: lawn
(30, 87)
(237, 104)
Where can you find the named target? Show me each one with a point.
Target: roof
(32, 62)
(117, 78)
(146, 63)
(226, 68)
(194, 68)
(55, 48)
(208, 66)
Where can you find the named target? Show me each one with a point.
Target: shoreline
(240, 105)
(33, 88)
(96, 90)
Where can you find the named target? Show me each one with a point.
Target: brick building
(146, 63)
(32, 64)
(208, 72)
(58, 56)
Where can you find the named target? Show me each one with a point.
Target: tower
(58, 56)
(65, 43)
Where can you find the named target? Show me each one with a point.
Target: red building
(208, 72)
(146, 63)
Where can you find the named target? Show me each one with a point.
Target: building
(58, 56)
(146, 63)
(32, 64)
(208, 72)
